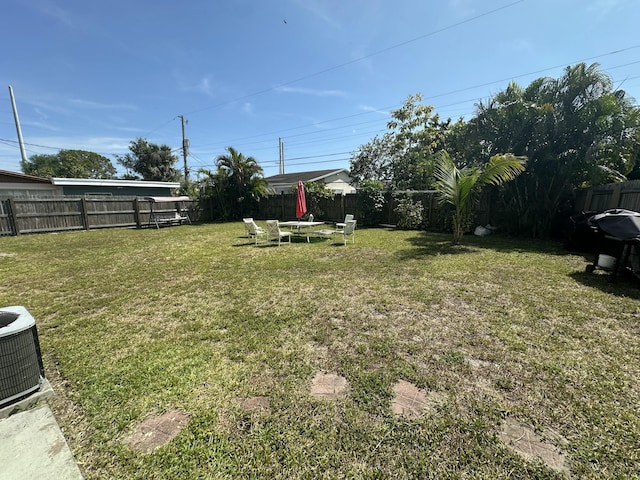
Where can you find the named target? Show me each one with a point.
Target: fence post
(136, 212)
(13, 220)
(83, 212)
(587, 201)
(431, 197)
(615, 196)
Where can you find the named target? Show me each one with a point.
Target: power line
(294, 164)
(235, 142)
(15, 144)
(426, 97)
(30, 144)
(198, 159)
(351, 125)
(539, 71)
(319, 156)
(359, 59)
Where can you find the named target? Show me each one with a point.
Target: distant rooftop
(292, 178)
(17, 177)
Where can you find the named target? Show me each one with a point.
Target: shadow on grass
(426, 244)
(236, 245)
(625, 284)
(429, 244)
(274, 243)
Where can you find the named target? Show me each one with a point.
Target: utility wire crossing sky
(323, 75)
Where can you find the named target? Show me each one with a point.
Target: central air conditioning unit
(21, 368)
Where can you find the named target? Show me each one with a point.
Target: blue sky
(320, 74)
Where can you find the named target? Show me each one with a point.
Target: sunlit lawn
(134, 323)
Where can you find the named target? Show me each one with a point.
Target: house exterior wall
(339, 183)
(14, 184)
(23, 189)
(280, 188)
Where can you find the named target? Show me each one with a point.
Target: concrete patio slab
(329, 385)
(410, 402)
(44, 393)
(254, 403)
(524, 441)
(33, 447)
(156, 431)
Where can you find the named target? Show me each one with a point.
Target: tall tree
(373, 161)
(236, 184)
(404, 157)
(461, 188)
(575, 131)
(69, 164)
(150, 161)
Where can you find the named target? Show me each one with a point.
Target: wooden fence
(613, 195)
(334, 209)
(602, 197)
(54, 214)
(283, 207)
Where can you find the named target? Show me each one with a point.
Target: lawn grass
(134, 323)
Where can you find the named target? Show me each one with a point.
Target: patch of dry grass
(140, 322)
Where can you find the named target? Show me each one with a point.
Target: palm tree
(245, 179)
(461, 188)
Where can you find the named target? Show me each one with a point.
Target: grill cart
(618, 242)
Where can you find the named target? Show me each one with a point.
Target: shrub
(372, 202)
(410, 213)
(314, 192)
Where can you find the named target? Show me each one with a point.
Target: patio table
(300, 227)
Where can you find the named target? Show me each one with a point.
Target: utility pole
(17, 120)
(281, 151)
(185, 150)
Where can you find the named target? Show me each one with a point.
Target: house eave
(100, 182)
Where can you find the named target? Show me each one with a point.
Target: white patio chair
(349, 230)
(341, 225)
(247, 226)
(253, 230)
(274, 232)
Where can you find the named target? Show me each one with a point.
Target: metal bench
(178, 216)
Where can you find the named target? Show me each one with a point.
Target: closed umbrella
(301, 201)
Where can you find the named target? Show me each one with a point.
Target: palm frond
(501, 169)
(446, 174)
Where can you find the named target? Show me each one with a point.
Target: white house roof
(313, 176)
